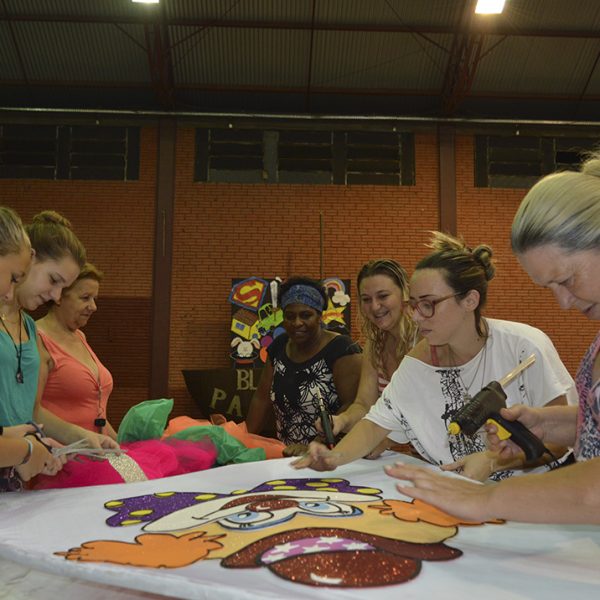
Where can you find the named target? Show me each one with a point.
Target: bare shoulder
(45, 357)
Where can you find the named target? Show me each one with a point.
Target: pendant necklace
(18, 349)
(482, 358)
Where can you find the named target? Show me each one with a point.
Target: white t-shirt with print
(418, 404)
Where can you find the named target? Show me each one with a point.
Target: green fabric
(229, 449)
(145, 421)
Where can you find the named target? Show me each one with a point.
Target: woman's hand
(532, 418)
(338, 423)
(19, 430)
(463, 499)
(295, 450)
(98, 440)
(478, 466)
(318, 457)
(41, 461)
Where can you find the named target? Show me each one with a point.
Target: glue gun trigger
(501, 432)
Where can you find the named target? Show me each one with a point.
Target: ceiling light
(146, 1)
(489, 7)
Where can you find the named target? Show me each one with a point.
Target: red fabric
(156, 458)
(273, 448)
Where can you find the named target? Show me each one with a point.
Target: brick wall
(234, 230)
(485, 215)
(226, 230)
(115, 221)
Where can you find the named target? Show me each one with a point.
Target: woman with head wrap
(306, 363)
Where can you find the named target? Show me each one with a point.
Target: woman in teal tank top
(22, 456)
(58, 259)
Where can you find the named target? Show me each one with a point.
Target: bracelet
(29, 452)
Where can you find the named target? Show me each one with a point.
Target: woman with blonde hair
(56, 263)
(389, 334)
(22, 456)
(459, 353)
(556, 237)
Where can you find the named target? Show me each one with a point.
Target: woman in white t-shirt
(459, 353)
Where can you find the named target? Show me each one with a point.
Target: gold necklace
(4, 318)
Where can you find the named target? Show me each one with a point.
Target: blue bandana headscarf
(303, 294)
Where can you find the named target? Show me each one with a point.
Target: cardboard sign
(223, 391)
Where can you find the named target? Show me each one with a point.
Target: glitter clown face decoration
(255, 511)
(318, 532)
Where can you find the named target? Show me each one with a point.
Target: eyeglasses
(426, 308)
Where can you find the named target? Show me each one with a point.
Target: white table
(509, 562)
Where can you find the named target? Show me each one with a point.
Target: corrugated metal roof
(80, 8)
(245, 53)
(72, 52)
(241, 57)
(378, 61)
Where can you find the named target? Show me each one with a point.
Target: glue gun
(485, 407)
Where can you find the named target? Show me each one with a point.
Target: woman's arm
(363, 437)
(14, 450)
(260, 405)
(567, 495)
(346, 375)
(366, 396)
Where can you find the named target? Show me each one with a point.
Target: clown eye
(248, 517)
(320, 507)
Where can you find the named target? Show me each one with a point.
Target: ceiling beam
(310, 58)
(159, 63)
(122, 85)
(501, 27)
(463, 61)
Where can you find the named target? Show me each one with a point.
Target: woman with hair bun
(22, 454)
(556, 238)
(460, 352)
(57, 260)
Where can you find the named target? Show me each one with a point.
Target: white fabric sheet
(510, 561)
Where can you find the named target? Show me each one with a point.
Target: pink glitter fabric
(155, 458)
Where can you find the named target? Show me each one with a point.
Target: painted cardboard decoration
(225, 391)
(256, 318)
(317, 531)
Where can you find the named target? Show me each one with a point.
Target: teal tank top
(18, 399)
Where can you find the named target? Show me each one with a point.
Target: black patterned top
(296, 387)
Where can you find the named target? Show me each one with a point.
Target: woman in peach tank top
(76, 385)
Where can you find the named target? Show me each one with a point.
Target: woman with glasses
(390, 334)
(460, 352)
(556, 237)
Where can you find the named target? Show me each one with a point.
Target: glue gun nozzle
(454, 428)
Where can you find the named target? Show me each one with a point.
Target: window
(69, 152)
(519, 161)
(304, 156)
